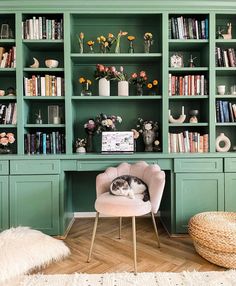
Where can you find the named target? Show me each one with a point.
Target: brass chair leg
(93, 236)
(120, 225)
(134, 244)
(155, 228)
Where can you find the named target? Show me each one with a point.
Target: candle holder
(194, 113)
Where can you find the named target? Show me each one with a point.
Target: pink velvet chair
(120, 206)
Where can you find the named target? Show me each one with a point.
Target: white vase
(223, 143)
(103, 87)
(123, 88)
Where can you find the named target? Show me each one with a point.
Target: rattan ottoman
(214, 237)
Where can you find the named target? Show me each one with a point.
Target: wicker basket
(214, 237)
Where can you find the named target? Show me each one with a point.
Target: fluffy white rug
(225, 278)
(23, 249)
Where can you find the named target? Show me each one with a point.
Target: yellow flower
(149, 85)
(131, 38)
(90, 43)
(106, 44)
(155, 82)
(110, 35)
(98, 39)
(123, 33)
(81, 80)
(103, 38)
(89, 81)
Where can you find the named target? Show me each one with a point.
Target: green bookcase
(94, 20)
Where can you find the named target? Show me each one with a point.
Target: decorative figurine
(35, 64)
(38, 119)
(181, 118)
(191, 61)
(228, 35)
(194, 113)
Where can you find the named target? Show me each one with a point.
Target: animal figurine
(228, 36)
(129, 186)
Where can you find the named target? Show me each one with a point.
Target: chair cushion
(120, 206)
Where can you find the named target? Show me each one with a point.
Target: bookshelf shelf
(117, 98)
(44, 125)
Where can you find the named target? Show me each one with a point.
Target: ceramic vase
(104, 87)
(223, 143)
(123, 88)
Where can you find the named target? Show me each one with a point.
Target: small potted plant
(152, 87)
(148, 42)
(104, 74)
(139, 80)
(80, 145)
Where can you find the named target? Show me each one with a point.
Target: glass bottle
(131, 48)
(86, 91)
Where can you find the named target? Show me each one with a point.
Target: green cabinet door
(197, 193)
(34, 202)
(230, 192)
(4, 203)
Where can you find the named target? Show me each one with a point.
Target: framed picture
(177, 60)
(117, 142)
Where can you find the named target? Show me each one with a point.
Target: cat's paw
(131, 195)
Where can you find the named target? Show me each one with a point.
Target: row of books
(8, 113)
(225, 57)
(8, 58)
(187, 142)
(47, 85)
(188, 28)
(187, 85)
(225, 111)
(42, 28)
(44, 143)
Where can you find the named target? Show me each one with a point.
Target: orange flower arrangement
(152, 86)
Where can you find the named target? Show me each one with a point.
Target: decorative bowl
(50, 63)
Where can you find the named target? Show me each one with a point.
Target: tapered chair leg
(155, 228)
(120, 225)
(134, 244)
(93, 236)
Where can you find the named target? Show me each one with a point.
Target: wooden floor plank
(115, 255)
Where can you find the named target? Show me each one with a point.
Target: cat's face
(120, 187)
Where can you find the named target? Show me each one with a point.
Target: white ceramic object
(35, 64)
(103, 87)
(226, 143)
(221, 89)
(50, 63)
(123, 88)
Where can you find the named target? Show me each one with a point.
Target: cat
(129, 186)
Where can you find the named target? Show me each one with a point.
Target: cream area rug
(23, 249)
(224, 278)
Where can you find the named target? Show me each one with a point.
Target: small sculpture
(38, 119)
(228, 35)
(191, 61)
(35, 64)
(194, 113)
(181, 118)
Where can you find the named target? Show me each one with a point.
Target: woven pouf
(214, 237)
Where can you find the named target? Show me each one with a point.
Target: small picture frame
(177, 60)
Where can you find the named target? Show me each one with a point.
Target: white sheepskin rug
(23, 249)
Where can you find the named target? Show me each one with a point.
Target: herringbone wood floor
(114, 255)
